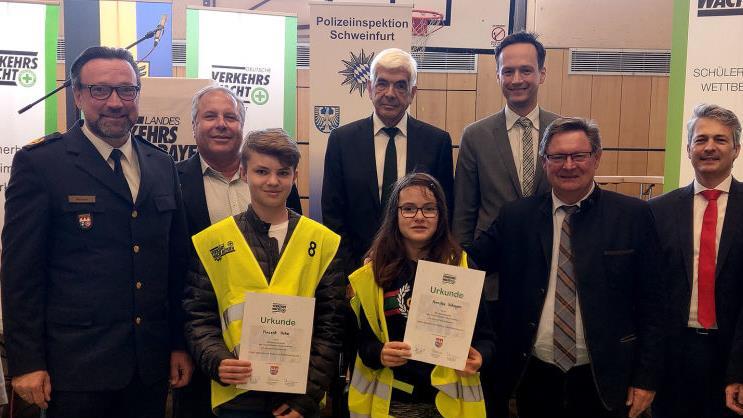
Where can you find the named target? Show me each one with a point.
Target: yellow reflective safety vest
(371, 390)
(233, 271)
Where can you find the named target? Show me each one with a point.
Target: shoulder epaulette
(43, 140)
(148, 143)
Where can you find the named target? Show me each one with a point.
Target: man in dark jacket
(283, 245)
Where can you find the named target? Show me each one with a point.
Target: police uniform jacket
(91, 281)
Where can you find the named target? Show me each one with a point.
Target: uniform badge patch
(84, 221)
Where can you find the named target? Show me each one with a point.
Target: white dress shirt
(129, 162)
(544, 347)
(224, 197)
(515, 137)
(380, 147)
(700, 205)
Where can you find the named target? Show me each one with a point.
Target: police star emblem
(84, 221)
(327, 118)
(357, 72)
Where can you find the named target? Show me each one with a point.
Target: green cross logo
(26, 78)
(259, 95)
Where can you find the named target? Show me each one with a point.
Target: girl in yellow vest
(385, 382)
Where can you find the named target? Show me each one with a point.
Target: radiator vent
(620, 61)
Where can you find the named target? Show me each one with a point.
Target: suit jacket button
(135, 249)
(542, 291)
(138, 320)
(525, 355)
(138, 285)
(135, 213)
(532, 325)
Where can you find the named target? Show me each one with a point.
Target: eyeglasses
(102, 92)
(577, 157)
(409, 211)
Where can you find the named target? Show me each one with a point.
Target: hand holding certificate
(443, 311)
(276, 338)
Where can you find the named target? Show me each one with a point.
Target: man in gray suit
(498, 155)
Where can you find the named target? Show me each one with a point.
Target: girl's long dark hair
(387, 252)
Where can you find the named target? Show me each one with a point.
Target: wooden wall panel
(631, 163)
(431, 81)
(456, 81)
(460, 112)
(303, 78)
(303, 114)
(179, 72)
(576, 93)
(606, 94)
(489, 96)
(634, 123)
(656, 161)
(431, 107)
(455, 155)
(658, 113)
(550, 93)
(303, 175)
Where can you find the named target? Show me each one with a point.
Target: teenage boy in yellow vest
(272, 249)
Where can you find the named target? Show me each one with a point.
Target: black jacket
(350, 192)
(620, 288)
(673, 217)
(91, 281)
(204, 332)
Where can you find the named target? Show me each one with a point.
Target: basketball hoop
(425, 22)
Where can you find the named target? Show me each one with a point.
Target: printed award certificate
(443, 311)
(276, 338)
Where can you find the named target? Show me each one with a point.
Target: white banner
(165, 114)
(345, 39)
(28, 49)
(252, 54)
(713, 73)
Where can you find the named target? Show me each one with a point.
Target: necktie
(565, 298)
(707, 260)
(116, 155)
(389, 175)
(527, 154)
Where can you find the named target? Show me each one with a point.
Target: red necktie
(707, 258)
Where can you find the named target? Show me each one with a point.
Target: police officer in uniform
(93, 258)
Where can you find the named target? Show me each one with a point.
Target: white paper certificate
(276, 338)
(443, 311)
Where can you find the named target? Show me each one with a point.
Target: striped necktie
(565, 298)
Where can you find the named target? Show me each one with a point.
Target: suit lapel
(415, 145)
(539, 173)
(731, 224)
(368, 165)
(89, 160)
(545, 227)
(503, 150)
(144, 153)
(194, 196)
(685, 228)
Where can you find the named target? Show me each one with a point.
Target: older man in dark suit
(94, 254)
(701, 233)
(365, 157)
(580, 333)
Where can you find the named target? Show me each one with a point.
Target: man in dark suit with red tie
(701, 232)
